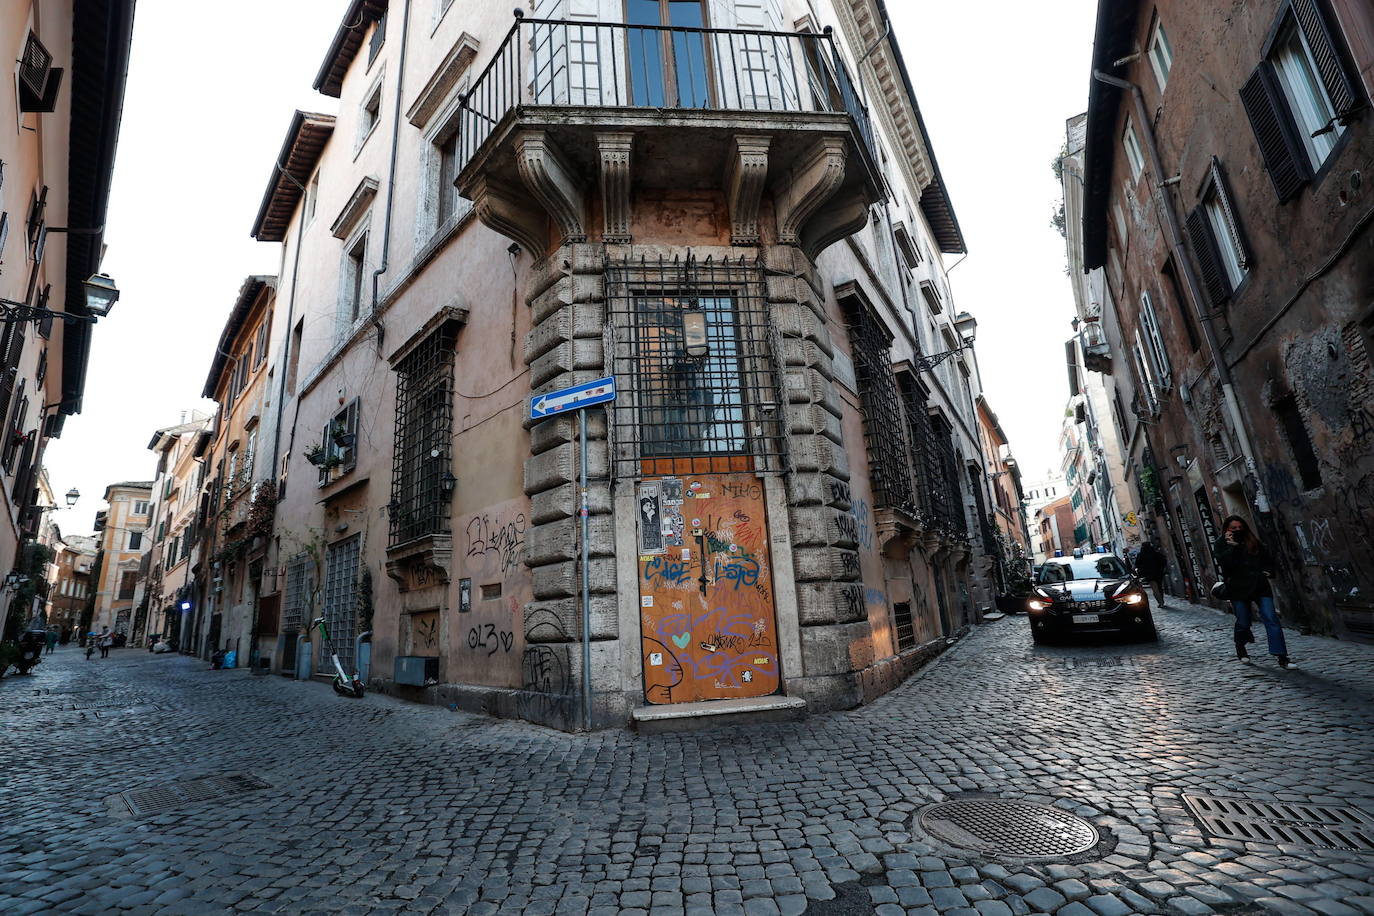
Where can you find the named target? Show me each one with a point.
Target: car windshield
(1098, 566)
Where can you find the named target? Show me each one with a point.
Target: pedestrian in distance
(1246, 568)
(51, 639)
(90, 646)
(1150, 566)
(105, 641)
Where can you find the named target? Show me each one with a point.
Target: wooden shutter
(1208, 259)
(1269, 118)
(1328, 57)
(1228, 208)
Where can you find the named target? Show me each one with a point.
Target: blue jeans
(1268, 615)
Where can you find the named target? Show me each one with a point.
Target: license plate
(1085, 618)
(1092, 605)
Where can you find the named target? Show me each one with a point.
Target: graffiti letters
(839, 493)
(740, 571)
(741, 490)
(546, 687)
(852, 601)
(849, 563)
(493, 536)
(487, 636)
(663, 570)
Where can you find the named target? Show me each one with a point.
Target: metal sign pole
(586, 580)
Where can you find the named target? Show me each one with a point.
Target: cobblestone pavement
(382, 806)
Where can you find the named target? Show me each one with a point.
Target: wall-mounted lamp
(185, 605)
(72, 496)
(694, 339)
(447, 483)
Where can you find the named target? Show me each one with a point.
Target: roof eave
(243, 306)
(935, 203)
(291, 159)
(1116, 21)
(347, 41)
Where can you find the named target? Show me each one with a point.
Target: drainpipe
(391, 174)
(1179, 251)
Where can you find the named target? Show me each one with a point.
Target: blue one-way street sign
(574, 398)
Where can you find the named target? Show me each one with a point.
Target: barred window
(936, 468)
(297, 592)
(694, 370)
(424, 432)
(889, 463)
(340, 602)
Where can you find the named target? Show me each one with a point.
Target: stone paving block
(1283, 906)
(1044, 898)
(992, 908)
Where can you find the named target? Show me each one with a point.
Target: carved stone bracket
(897, 532)
(745, 173)
(801, 192)
(553, 184)
(616, 150)
(421, 564)
(841, 215)
(507, 210)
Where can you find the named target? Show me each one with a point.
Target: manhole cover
(1284, 823)
(995, 827)
(166, 798)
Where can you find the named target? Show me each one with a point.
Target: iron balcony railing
(560, 63)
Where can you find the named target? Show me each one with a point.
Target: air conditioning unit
(39, 80)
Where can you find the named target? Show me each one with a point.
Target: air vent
(1284, 823)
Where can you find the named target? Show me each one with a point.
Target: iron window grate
(936, 466)
(159, 799)
(685, 414)
(905, 628)
(340, 604)
(1284, 823)
(889, 463)
(297, 580)
(424, 424)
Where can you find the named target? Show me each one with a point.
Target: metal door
(708, 630)
(340, 602)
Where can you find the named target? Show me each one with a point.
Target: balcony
(568, 118)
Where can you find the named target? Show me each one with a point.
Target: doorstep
(680, 717)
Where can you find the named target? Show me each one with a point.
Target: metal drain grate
(1284, 823)
(1023, 830)
(167, 798)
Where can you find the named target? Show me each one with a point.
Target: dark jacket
(1244, 571)
(1150, 563)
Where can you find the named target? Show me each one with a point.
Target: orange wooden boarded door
(708, 630)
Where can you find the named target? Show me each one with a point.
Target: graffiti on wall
(489, 640)
(706, 596)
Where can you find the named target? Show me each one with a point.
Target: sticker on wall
(650, 519)
(464, 595)
(656, 659)
(694, 485)
(673, 526)
(646, 601)
(670, 489)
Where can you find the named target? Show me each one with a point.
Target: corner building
(693, 199)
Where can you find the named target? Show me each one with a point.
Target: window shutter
(1327, 55)
(1269, 119)
(1228, 208)
(1208, 259)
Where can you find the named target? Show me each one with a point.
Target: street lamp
(101, 295)
(72, 496)
(967, 327)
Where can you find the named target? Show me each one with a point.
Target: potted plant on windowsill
(341, 436)
(316, 455)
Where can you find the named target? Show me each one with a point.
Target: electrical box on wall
(416, 670)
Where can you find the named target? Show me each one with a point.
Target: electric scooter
(343, 684)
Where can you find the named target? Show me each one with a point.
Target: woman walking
(1246, 567)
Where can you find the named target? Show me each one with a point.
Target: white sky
(210, 94)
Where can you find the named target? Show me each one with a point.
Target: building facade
(1224, 201)
(785, 500)
(57, 158)
(167, 583)
(1008, 504)
(235, 608)
(70, 582)
(121, 535)
(1057, 524)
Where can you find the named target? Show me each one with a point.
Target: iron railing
(561, 63)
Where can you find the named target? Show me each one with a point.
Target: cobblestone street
(382, 806)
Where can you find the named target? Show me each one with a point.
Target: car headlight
(1037, 604)
(1130, 597)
